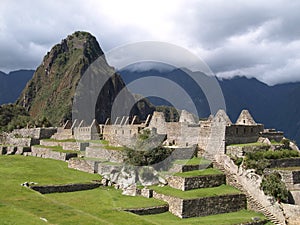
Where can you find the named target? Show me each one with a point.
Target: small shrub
(273, 185)
(286, 143)
(145, 158)
(258, 165)
(145, 135)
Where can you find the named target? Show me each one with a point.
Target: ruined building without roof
(210, 135)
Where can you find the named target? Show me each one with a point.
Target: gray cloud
(253, 38)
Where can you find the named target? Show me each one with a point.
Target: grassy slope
(193, 161)
(195, 173)
(19, 205)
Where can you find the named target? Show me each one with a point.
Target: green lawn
(58, 149)
(192, 161)
(249, 144)
(197, 193)
(54, 140)
(195, 173)
(20, 205)
(221, 219)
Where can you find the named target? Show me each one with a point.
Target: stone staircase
(251, 202)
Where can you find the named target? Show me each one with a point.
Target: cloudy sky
(254, 38)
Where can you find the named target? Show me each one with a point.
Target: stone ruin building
(210, 135)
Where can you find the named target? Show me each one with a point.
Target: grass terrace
(54, 140)
(22, 206)
(57, 149)
(195, 173)
(222, 219)
(249, 144)
(193, 161)
(197, 193)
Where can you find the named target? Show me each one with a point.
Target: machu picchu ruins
(202, 157)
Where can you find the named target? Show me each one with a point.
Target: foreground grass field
(20, 205)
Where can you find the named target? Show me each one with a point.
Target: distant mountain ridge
(275, 106)
(12, 84)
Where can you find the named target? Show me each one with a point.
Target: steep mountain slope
(51, 91)
(12, 84)
(275, 106)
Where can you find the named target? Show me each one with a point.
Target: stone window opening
(244, 130)
(122, 131)
(236, 130)
(116, 131)
(244, 121)
(251, 129)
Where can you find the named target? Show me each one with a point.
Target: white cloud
(253, 38)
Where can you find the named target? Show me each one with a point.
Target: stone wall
(36, 133)
(291, 162)
(21, 141)
(149, 210)
(14, 150)
(101, 153)
(48, 153)
(185, 168)
(185, 208)
(175, 204)
(64, 188)
(88, 166)
(183, 153)
(292, 213)
(290, 177)
(295, 197)
(158, 121)
(216, 141)
(121, 134)
(213, 205)
(69, 145)
(240, 134)
(204, 134)
(189, 183)
(272, 134)
(240, 151)
(63, 134)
